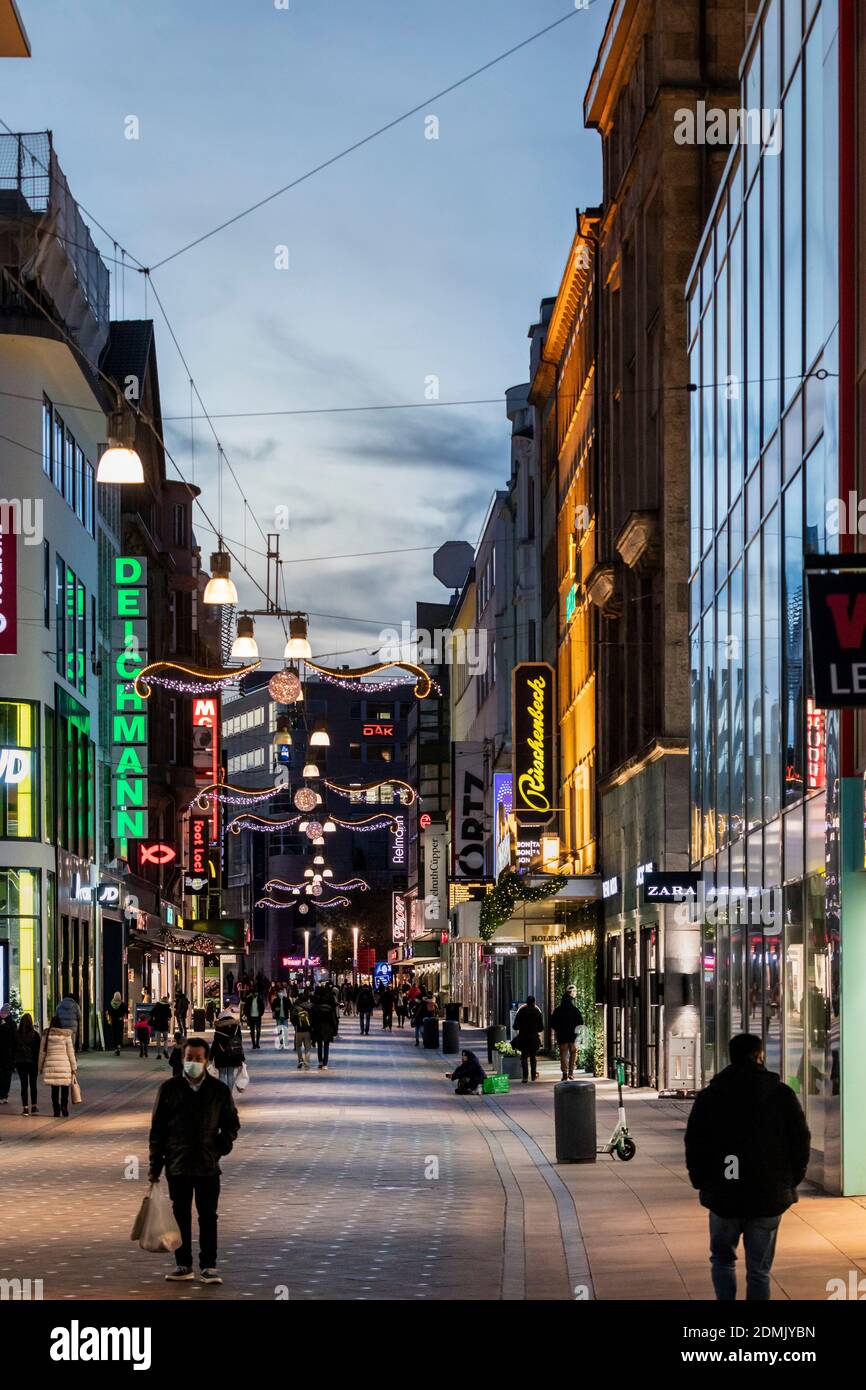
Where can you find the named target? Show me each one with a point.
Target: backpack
(303, 1023)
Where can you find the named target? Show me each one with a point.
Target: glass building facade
(763, 319)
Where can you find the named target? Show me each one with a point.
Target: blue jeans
(759, 1242)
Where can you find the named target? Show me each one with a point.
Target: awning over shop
(220, 936)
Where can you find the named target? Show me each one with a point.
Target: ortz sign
(533, 721)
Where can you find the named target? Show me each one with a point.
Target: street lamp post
(306, 955)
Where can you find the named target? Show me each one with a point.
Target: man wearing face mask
(194, 1125)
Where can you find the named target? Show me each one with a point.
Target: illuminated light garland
(282, 883)
(409, 797)
(422, 686)
(510, 890)
(270, 902)
(232, 796)
(376, 822)
(204, 681)
(334, 902)
(260, 823)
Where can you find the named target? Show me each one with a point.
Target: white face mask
(193, 1070)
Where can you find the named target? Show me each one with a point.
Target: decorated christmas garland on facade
(511, 889)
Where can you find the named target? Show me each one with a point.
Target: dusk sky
(409, 258)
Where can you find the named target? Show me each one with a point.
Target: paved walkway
(373, 1181)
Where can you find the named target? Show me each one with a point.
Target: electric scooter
(620, 1142)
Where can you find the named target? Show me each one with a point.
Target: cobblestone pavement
(373, 1181)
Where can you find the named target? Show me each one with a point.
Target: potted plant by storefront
(508, 1060)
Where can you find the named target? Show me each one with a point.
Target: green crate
(495, 1085)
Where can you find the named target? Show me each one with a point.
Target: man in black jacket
(747, 1150)
(194, 1125)
(528, 1027)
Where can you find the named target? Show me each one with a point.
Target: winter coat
(747, 1143)
(302, 1007)
(248, 1003)
(365, 1000)
(57, 1061)
(323, 1016)
(565, 1020)
(471, 1071)
(27, 1049)
(228, 1046)
(8, 1033)
(192, 1128)
(69, 1013)
(160, 1018)
(386, 999)
(528, 1023)
(282, 1008)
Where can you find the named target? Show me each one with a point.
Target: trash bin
(574, 1121)
(452, 1011)
(495, 1034)
(430, 1032)
(199, 1020)
(450, 1036)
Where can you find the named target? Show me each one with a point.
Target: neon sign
(533, 720)
(128, 712)
(378, 730)
(156, 852)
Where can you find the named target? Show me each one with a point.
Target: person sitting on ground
(469, 1075)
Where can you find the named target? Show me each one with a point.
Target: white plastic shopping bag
(242, 1080)
(155, 1225)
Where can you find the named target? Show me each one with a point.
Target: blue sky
(410, 258)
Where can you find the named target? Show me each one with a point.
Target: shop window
(19, 926)
(19, 800)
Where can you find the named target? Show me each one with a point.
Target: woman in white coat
(58, 1064)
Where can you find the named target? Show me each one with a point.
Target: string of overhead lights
(202, 681)
(409, 795)
(348, 679)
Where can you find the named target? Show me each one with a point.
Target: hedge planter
(511, 1067)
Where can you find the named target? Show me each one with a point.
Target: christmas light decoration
(227, 795)
(305, 799)
(302, 907)
(422, 687)
(260, 823)
(511, 889)
(350, 883)
(333, 902)
(313, 830)
(285, 686)
(203, 682)
(316, 890)
(408, 794)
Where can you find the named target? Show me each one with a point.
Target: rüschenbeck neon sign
(128, 710)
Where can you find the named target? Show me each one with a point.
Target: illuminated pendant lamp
(318, 859)
(319, 737)
(244, 647)
(220, 588)
(120, 463)
(297, 647)
(310, 770)
(329, 828)
(327, 873)
(282, 737)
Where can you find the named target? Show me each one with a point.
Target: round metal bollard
(495, 1033)
(574, 1121)
(430, 1032)
(450, 1036)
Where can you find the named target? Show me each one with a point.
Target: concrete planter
(508, 1066)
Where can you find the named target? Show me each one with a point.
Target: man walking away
(282, 1010)
(528, 1027)
(386, 999)
(253, 1009)
(365, 1007)
(323, 1017)
(303, 1031)
(69, 1013)
(160, 1022)
(181, 1009)
(747, 1150)
(565, 1021)
(116, 1017)
(194, 1125)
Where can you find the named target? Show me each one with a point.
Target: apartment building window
(69, 469)
(179, 525)
(355, 752)
(19, 800)
(89, 487)
(79, 482)
(58, 436)
(46, 436)
(46, 584)
(63, 461)
(59, 613)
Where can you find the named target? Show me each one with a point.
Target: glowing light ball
(305, 799)
(285, 687)
(313, 830)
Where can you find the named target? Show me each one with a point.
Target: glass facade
(763, 321)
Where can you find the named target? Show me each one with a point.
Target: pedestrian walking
(425, 1007)
(469, 1075)
(324, 1024)
(253, 1010)
(282, 1011)
(747, 1150)
(27, 1045)
(160, 1022)
(565, 1021)
(194, 1125)
(58, 1065)
(227, 1054)
(175, 1060)
(401, 1007)
(528, 1028)
(386, 999)
(115, 1016)
(69, 1013)
(181, 1009)
(142, 1036)
(7, 1052)
(302, 1022)
(365, 1004)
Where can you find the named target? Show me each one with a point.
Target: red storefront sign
(198, 845)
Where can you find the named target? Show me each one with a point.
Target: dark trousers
(143, 1044)
(6, 1075)
(387, 1020)
(528, 1058)
(255, 1030)
(323, 1047)
(759, 1242)
(117, 1032)
(207, 1194)
(180, 1019)
(60, 1099)
(27, 1077)
(401, 1017)
(365, 1017)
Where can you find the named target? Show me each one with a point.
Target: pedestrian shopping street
(331, 1191)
